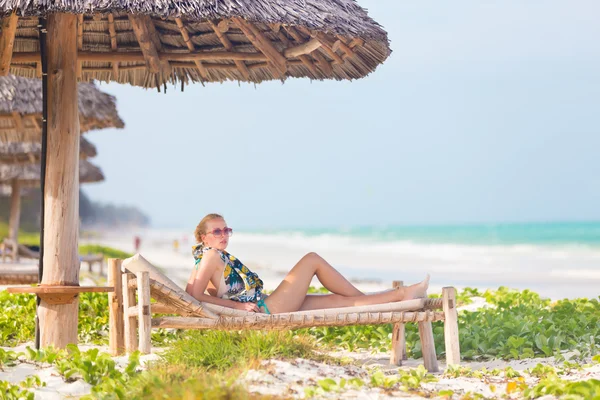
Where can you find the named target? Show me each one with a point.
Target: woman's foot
(416, 291)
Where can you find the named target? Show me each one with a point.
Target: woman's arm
(197, 285)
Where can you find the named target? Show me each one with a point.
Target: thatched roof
(30, 152)
(209, 40)
(21, 109)
(29, 175)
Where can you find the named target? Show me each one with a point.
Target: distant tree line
(92, 214)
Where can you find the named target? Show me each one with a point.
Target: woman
(229, 283)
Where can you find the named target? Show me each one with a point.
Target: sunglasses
(220, 232)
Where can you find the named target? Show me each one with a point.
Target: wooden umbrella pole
(44, 68)
(58, 322)
(15, 215)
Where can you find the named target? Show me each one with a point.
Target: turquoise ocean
(539, 233)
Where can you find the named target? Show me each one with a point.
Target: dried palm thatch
(29, 175)
(151, 43)
(21, 109)
(19, 153)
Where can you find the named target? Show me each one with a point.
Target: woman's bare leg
(291, 293)
(318, 302)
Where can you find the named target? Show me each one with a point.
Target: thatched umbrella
(21, 106)
(29, 175)
(28, 157)
(150, 43)
(19, 153)
(18, 177)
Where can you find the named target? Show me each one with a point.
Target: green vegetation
(26, 238)
(199, 364)
(519, 325)
(222, 350)
(108, 252)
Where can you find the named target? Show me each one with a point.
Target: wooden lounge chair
(137, 274)
(9, 248)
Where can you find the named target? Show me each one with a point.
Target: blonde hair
(201, 228)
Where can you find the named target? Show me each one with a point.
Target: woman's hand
(250, 307)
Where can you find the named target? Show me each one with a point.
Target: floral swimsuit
(241, 284)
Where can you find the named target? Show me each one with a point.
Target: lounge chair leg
(115, 303)
(398, 338)
(145, 320)
(130, 322)
(451, 337)
(428, 346)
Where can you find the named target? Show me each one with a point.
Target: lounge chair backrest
(169, 293)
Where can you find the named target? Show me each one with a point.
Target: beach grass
(208, 364)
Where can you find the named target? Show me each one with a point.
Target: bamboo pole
(131, 323)
(398, 337)
(428, 346)
(126, 56)
(304, 59)
(58, 322)
(229, 47)
(293, 320)
(150, 43)
(263, 44)
(451, 326)
(144, 317)
(188, 42)
(116, 340)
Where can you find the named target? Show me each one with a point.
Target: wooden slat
(113, 44)
(116, 340)
(144, 316)
(398, 337)
(130, 322)
(428, 346)
(186, 38)
(263, 44)
(7, 41)
(293, 320)
(451, 326)
(229, 47)
(150, 44)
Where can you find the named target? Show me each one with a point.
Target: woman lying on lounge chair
(231, 284)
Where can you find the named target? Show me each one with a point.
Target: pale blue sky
(486, 111)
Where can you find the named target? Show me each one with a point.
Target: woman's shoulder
(210, 255)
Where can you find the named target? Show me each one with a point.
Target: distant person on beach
(230, 283)
(136, 243)
(175, 245)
